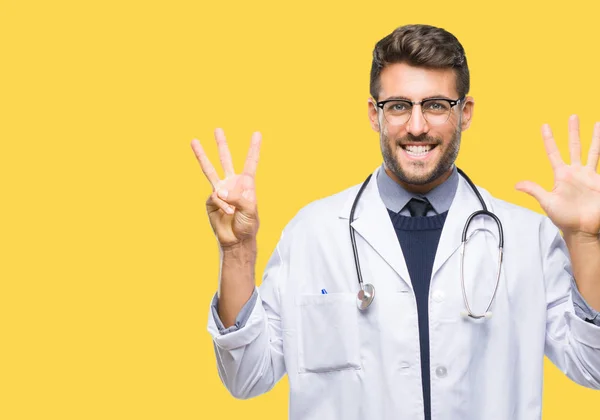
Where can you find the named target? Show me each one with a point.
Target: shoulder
(318, 224)
(509, 209)
(527, 221)
(323, 211)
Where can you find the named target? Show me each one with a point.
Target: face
(419, 155)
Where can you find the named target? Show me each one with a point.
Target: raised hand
(573, 205)
(231, 207)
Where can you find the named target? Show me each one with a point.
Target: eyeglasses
(436, 111)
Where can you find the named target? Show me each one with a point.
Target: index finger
(253, 153)
(574, 142)
(224, 153)
(551, 148)
(594, 152)
(207, 167)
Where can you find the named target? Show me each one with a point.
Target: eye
(436, 105)
(398, 106)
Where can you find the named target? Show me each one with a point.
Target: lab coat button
(441, 372)
(438, 295)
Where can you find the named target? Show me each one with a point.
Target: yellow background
(108, 262)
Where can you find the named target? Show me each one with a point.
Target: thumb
(243, 200)
(533, 190)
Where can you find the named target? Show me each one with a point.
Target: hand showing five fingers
(231, 207)
(573, 205)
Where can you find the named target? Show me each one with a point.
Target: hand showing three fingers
(573, 205)
(231, 207)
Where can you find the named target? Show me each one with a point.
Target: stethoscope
(366, 293)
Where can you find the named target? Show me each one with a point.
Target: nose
(417, 124)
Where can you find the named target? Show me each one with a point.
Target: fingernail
(223, 194)
(229, 210)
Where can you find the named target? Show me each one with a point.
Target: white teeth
(417, 150)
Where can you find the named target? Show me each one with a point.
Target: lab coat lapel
(464, 203)
(372, 222)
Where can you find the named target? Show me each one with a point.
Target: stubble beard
(443, 166)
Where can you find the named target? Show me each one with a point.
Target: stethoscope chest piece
(365, 296)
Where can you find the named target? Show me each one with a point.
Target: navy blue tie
(418, 207)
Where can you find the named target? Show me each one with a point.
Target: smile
(419, 151)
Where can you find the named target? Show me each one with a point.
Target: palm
(573, 205)
(231, 228)
(231, 224)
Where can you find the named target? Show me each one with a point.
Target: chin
(416, 174)
(418, 179)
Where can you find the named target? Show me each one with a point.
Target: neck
(420, 188)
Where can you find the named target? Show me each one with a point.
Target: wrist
(580, 238)
(244, 249)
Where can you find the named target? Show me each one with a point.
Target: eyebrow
(404, 98)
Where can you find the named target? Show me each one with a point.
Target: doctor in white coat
(411, 355)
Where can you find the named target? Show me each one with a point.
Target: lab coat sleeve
(572, 344)
(240, 319)
(582, 309)
(250, 360)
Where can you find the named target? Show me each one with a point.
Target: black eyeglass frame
(452, 102)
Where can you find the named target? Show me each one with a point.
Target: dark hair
(420, 46)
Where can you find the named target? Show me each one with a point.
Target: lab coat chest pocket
(328, 333)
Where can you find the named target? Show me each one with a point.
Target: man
(407, 353)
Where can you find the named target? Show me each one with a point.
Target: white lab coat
(349, 365)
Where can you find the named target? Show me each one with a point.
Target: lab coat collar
(464, 204)
(373, 224)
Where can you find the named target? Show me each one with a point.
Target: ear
(467, 113)
(373, 115)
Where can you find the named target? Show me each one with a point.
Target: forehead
(416, 83)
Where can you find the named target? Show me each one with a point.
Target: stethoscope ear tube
(485, 213)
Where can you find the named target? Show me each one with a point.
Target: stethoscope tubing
(366, 297)
(352, 235)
